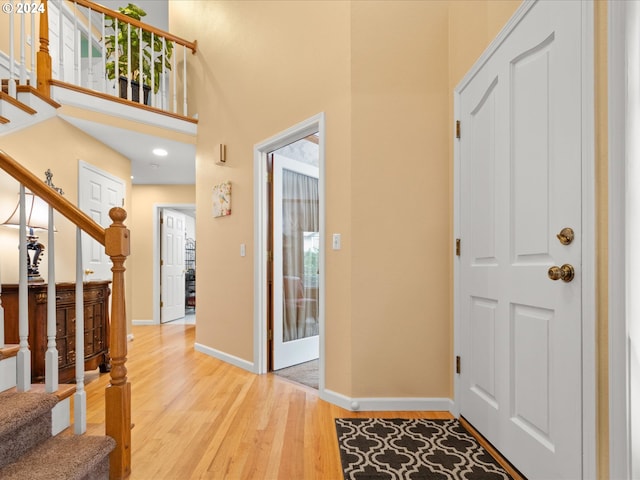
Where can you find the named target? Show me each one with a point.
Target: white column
(51, 356)
(24, 354)
(80, 397)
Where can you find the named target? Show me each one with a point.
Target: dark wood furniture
(96, 326)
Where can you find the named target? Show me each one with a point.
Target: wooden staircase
(29, 450)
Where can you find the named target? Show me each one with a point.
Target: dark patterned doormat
(412, 449)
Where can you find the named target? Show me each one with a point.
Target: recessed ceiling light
(160, 152)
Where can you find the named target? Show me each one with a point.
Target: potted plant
(140, 68)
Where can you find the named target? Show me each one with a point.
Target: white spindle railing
(104, 64)
(51, 356)
(12, 59)
(23, 380)
(80, 397)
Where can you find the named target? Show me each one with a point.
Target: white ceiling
(178, 167)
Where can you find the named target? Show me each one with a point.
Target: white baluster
(129, 90)
(90, 47)
(153, 74)
(80, 397)
(34, 48)
(164, 75)
(175, 84)
(1, 316)
(12, 59)
(104, 57)
(184, 79)
(61, 43)
(24, 355)
(117, 57)
(140, 68)
(23, 52)
(77, 78)
(51, 357)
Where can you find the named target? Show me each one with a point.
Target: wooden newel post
(43, 59)
(118, 393)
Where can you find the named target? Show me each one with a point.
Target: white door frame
(589, 391)
(261, 236)
(157, 207)
(623, 27)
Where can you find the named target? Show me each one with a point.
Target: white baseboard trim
(410, 404)
(143, 322)
(60, 418)
(225, 357)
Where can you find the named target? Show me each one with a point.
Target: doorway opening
(289, 247)
(174, 293)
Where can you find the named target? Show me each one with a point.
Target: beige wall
(383, 74)
(144, 200)
(57, 145)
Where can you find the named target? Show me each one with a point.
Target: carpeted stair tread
(70, 457)
(19, 408)
(25, 421)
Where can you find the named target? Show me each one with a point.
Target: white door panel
(173, 231)
(289, 295)
(520, 182)
(99, 192)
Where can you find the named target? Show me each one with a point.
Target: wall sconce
(221, 155)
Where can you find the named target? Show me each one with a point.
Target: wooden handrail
(137, 23)
(49, 195)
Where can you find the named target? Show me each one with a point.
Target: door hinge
(457, 247)
(161, 304)
(270, 177)
(457, 128)
(161, 263)
(458, 364)
(270, 256)
(270, 335)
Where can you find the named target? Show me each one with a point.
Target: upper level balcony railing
(87, 47)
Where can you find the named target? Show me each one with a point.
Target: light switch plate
(337, 241)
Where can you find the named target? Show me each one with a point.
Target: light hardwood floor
(197, 417)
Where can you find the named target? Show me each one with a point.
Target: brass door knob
(88, 271)
(565, 273)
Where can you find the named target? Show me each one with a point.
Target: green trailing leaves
(140, 46)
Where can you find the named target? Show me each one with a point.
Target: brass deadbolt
(566, 236)
(565, 273)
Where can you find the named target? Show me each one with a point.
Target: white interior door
(99, 192)
(296, 287)
(520, 185)
(172, 245)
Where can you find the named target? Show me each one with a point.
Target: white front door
(99, 192)
(296, 245)
(172, 246)
(520, 159)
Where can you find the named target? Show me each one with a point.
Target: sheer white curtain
(299, 215)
